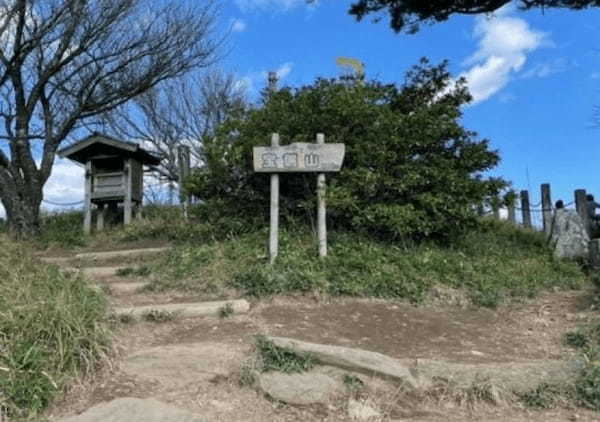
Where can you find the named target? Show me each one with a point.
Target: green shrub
(411, 170)
(52, 327)
(587, 385)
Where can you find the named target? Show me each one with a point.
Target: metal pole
(274, 224)
(322, 212)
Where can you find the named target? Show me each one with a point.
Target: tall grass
(51, 328)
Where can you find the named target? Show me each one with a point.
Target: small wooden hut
(114, 175)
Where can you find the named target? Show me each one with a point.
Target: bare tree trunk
(22, 210)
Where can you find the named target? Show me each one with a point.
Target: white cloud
(504, 43)
(284, 70)
(595, 75)
(65, 184)
(238, 25)
(252, 81)
(542, 70)
(273, 5)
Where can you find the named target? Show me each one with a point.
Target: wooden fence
(544, 209)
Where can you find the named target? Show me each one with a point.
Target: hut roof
(98, 145)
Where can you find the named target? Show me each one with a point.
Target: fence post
(274, 220)
(512, 215)
(547, 209)
(581, 206)
(526, 212)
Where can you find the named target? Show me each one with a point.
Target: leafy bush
(52, 327)
(411, 170)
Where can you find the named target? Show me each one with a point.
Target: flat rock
(238, 306)
(183, 364)
(299, 389)
(510, 377)
(357, 360)
(133, 410)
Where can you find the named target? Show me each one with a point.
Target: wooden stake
(274, 225)
(87, 218)
(183, 158)
(547, 209)
(526, 211)
(322, 212)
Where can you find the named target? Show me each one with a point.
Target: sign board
(299, 157)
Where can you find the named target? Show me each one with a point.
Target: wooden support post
(321, 210)
(582, 210)
(87, 216)
(547, 209)
(274, 225)
(100, 214)
(127, 206)
(183, 159)
(512, 215)
(526, 211)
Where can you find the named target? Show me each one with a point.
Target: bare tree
(64, 62)
(183, 111)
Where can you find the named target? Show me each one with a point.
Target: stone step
(124, 288)
(98, 256)
(118, 254)
(238, 306)
(97, 272)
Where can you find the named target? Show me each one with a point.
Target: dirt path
(194, 363)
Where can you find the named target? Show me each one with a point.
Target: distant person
(591, 207)
(559, 205)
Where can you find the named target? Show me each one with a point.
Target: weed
(547, 396)
(587, 385)
(226, 311)
(155, 315)
(576, 339)
(283, 359)
(144, 270)
(247, 376)
(126, 319)
(353, 383)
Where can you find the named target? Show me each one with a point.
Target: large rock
(569, 237)
(300, 389)
(133, 410)
(353, 359)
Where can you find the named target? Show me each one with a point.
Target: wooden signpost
(298, 158)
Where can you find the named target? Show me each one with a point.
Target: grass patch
(225, 311)
(496, 263)
(157, 316)
(144, 270)
(282, 359)
(52, 327)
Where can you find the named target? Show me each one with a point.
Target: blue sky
(535, 76)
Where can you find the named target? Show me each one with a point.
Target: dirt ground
(508, 334)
